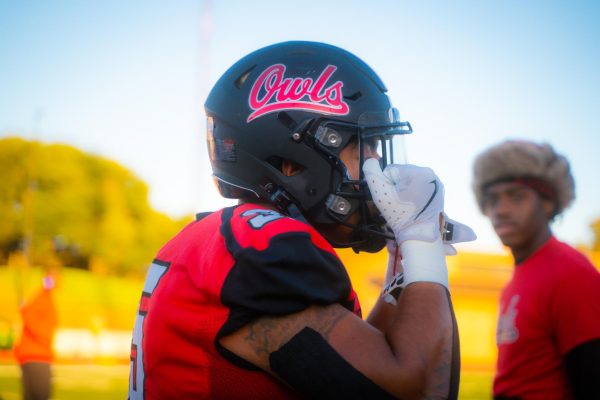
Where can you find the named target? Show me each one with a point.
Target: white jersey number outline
(136, 370)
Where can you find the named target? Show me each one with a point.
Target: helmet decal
(271, 92)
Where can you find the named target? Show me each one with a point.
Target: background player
(548, 332)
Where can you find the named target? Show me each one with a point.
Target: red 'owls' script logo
(271, 92)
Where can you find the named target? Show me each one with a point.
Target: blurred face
(518, 213)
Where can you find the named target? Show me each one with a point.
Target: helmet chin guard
(303, 103)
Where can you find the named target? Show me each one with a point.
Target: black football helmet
(302, 102)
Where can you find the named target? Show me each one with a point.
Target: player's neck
(522, 252)
(258, 202)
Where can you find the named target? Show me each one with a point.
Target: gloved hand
(411, 199)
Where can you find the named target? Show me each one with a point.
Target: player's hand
(411, 199)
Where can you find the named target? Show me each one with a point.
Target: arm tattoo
(439, 377)
(324, 321)
(266, 335)
(440, 373)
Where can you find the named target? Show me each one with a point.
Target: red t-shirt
(218, 274)
(551, 305)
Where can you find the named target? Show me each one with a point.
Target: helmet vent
(286, 120)
(354, 97)
(242, 78)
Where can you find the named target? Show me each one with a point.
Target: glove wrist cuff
(424, 262)
(426, 231)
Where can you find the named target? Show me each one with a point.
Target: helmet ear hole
(291, 168)
(286, 167)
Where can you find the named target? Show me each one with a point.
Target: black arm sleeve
(583, 370)
(312, 367)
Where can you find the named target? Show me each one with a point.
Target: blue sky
(127, 80)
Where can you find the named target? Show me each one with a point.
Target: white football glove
(411, 199)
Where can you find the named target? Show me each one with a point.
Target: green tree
(86, 209)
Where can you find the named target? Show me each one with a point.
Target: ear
(290, 168)
(549, 208)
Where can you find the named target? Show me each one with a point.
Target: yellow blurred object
(17, 259)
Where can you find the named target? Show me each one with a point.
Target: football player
(252, 301)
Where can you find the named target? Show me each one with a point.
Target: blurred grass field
(70, 382)
(108, 382)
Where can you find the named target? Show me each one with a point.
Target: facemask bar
(370, 232)
(383, 122)
(375, 133)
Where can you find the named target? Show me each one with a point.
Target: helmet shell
(268, 107)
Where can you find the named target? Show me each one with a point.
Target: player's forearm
(420, 336)
(381, 315)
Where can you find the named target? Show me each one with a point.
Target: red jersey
(217, 275)
(551, 305)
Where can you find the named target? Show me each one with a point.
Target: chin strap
(285, 204)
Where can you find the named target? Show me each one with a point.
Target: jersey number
(261, 217)
(136, 371)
